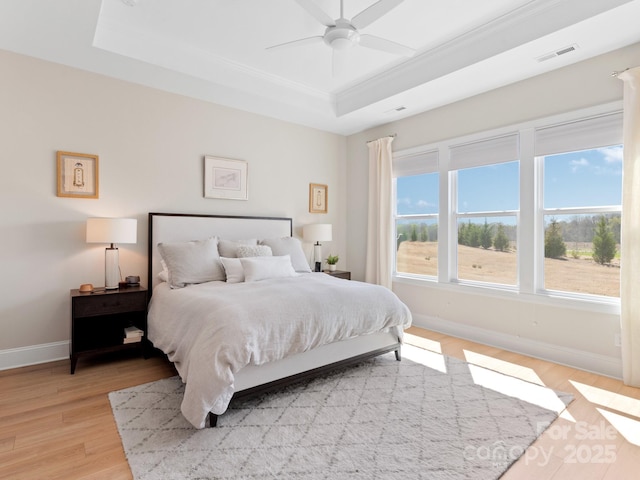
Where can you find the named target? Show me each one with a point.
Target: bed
(265, 321)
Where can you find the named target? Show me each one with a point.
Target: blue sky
(581, 179)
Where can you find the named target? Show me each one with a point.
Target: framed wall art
(318, 198)
(225, 178)
(77, 175)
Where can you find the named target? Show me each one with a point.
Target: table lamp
(317, 232)
(111, 230)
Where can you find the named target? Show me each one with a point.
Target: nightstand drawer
(339, 274)
(108, 304)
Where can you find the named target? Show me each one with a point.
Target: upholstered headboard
(182, 227)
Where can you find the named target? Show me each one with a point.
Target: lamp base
(111, 268)
(317, 255)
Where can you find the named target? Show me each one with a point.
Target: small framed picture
(77, 175)
(225, 178)
(318, 198)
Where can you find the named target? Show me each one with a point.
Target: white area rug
(382, 419)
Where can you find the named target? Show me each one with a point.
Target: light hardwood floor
(59, 426)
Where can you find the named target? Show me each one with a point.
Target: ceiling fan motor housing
(342, 35)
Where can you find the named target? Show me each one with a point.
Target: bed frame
(254, 380)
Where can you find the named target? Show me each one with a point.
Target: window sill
(558, 299)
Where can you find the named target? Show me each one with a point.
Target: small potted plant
(331, 262)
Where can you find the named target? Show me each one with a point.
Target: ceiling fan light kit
(341, 36)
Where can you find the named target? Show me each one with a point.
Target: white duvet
(212, 330)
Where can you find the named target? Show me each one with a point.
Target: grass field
(575, 273)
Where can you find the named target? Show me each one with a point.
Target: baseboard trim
(595, 363)
(588, 361)
(33, 355)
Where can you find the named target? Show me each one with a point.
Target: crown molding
(516, 28)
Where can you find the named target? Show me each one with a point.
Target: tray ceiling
(216, 50)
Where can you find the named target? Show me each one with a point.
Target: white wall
(151, 146)
(576, 336)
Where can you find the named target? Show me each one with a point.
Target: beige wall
(569, 335)
(151, 146)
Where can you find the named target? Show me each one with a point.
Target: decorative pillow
(233, 269)
(253, 251)
(262, 268)
(163, 276)
(228, 248)
(192, 262)
(289, 246)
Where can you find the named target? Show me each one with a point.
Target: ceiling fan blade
(297, 43)
(339, 62)
(374, 12)
(377, 43)
(316, 12)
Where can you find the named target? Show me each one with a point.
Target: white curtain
(630, 233)
(379, 231)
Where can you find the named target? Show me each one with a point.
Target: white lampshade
(317, 232)
(112, 230)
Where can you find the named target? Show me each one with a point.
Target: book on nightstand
(132, 335)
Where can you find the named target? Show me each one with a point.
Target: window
(534, 208)
(579, 165)
(582, 199)
(487, 201)
(416, 219)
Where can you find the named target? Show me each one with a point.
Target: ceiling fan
(342, 34)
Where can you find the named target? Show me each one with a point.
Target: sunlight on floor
(627, 427)
(425, 357)
(612, 400)
(487, 371)
(517, 388)
(502, 366)
(423, 342)
(504, 377)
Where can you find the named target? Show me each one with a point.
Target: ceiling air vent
(557, 53)
(395, 109)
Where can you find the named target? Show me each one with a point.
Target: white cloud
(576, 164)
(611, 154)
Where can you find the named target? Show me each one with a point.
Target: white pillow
(253, 251)
(233, 269)
(289, 246)
(262, 268)
(192, 262)
(228, 248)
(163, 276)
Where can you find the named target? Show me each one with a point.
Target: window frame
(530, 219)
(455, 219)
(410, 157)
(541, 213)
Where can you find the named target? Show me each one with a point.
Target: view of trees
(476, 235)
(602, 231)
(604, 245)
(554, 246)
(417, 232)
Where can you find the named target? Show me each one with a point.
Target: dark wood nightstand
(99, 319)
(339, 274)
